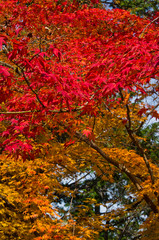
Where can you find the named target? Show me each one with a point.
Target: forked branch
(121, 167)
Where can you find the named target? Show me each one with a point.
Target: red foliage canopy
(62, 58)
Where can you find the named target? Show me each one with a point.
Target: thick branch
(109, 159)
(121, 167)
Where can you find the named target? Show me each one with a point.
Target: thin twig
(74, 183)
(148, 26)
(127, 108)
(28, 83)
(64, 110)
(134, 140)
(6, 65)
(21, 112)
(125, 227)
(147, 115)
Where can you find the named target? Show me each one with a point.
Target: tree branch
(142, 152)
(28, 83)
(147, 26)
(121, 167)
(21, 112)
(6, 65)
(134, 140)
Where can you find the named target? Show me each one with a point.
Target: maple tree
(74, 89)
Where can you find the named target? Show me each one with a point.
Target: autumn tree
(74, 89)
